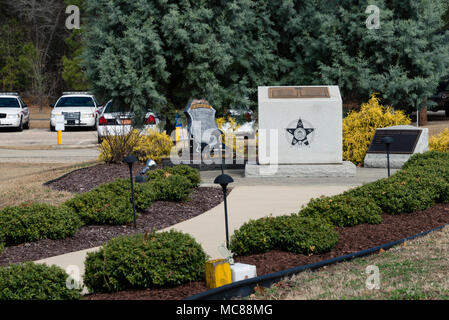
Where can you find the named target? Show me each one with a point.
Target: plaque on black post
(404, 141)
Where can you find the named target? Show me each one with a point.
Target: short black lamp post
(388, 141)
(223, 180)
(130, 160)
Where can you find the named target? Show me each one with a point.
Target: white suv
(80, 109)
(14, 112)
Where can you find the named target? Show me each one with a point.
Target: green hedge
(193, 175)
(172, 188)
(32, 222)
(422, 182)
(110, 203)
(343, 210)
(29, 281)
(293, 233)
(144, 261)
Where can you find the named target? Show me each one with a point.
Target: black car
(442, 97)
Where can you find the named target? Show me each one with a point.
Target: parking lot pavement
(40, 145)
(43, 137)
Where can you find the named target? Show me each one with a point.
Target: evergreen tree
(403, 60)
(162, 53)
(73, 73)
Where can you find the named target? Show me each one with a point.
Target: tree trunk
(422, 115)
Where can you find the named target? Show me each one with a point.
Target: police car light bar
(9, 94)
(68, 93)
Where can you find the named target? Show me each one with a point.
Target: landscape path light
(150, 165)
(223, 180)
(130, 160)
(388, 141)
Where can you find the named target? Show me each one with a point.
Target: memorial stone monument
(407, 140)
(202, 127)
(300, 133)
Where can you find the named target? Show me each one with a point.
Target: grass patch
(415, 271)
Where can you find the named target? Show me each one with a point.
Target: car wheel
(27, 125)
(20, 127)
(446, 111)
(52, 128)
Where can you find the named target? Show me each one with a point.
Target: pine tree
(160, 54)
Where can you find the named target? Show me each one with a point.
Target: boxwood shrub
(193, 175)
(29, 281)
(423, 181)
(32, 222)
(172, 188)
(344, 210)
(144, 261)
(292, 233)
(111, 203)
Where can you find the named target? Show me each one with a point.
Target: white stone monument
(408, 140)
(300, 133)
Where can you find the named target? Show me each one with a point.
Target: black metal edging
(246, 287)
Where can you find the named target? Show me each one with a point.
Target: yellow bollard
(59, 137)
(218, 273)
(178, 133)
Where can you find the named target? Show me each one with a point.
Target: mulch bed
(86, 179)
(352, 239)
(160, 215)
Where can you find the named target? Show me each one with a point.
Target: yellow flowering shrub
(151, 145)
(359, 127)
(440, 142)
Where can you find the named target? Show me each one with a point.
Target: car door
(25, 110)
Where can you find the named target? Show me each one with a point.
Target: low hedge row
(193, 175)
(107, 204)
(32, 222)
(422, 182)
(343, 210)
(110, 203)
(29, 281)
(293, 233)
(144, 261)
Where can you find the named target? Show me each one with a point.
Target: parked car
(247, 123)
(118, 120)
(80, 109)
(442, 97)
(14, 112)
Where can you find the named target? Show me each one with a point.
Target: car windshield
(9, 103)
(75, 102)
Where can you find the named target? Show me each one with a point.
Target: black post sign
(404, 141)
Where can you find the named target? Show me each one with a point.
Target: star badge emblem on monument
(301, 134)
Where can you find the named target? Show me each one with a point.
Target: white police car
(116, 120)
(14, 112)
(80, 109)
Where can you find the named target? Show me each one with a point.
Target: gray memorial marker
(202, 127)
(408, 140)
